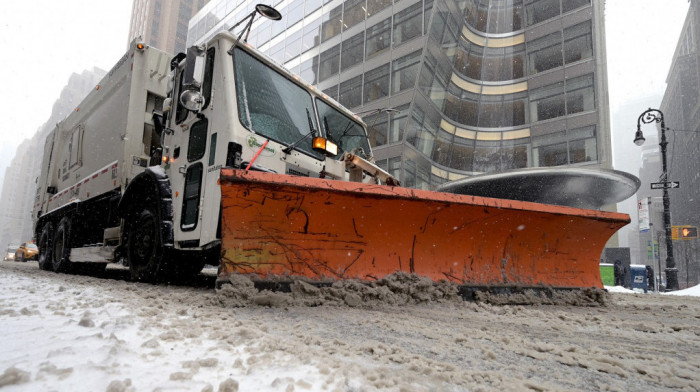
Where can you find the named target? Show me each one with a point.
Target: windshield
(342, 130)
(32, 246)
(272, 105)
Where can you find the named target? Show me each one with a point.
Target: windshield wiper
(312, 132)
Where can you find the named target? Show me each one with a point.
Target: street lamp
(649, 116)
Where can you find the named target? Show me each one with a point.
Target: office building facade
(476, 85)
(681, 108)
(163, 23)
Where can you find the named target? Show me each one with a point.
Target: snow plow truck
(220, 156)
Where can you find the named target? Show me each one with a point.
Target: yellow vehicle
(27, 251)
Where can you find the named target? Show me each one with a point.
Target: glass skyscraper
(476, 85)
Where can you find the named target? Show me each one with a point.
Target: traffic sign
(684, 232)
(665, 185)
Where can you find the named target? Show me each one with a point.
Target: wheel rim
(144, 239)
(58, 247)
(43, 248)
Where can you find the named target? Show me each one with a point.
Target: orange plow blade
(284, 227)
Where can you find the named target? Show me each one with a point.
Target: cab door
(188, 145)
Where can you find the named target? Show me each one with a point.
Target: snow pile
(690, 291)
(583, 297)
(619, 289)
(399, 288)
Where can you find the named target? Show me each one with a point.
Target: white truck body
(105, 141)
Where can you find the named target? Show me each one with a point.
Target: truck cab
(230, 106)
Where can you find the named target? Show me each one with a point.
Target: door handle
(182, 169)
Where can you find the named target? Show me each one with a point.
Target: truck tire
(61, 247)
(46, 247)
(144, 245)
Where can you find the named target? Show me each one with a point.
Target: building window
(442, 151)
(353, 51)
(578, 42)
(505, 17)
(502, 110)
(397, 123)
(378, 38)
(565, 147)
(405, 71)
(277, 52)
(550, 150)
(294, 12)
(354, 13)
(378, 125)
(395, 167)
(197, 141)
(427, 12)
(329, 63)
(540, 10)
(501, 64)
(579, 94)
(311, 37)
(350, 94)
(545, 53)
(332, 23)
(308, 70)
(487, 156)
(469, 61)
(568, 5)
(583, 145)
(332, 92)
(464, 109)
(477, 15)
(376, 83)
(293, 46)
(462, 154)
(547, 102)
(514, 154)
(374, 6)
(408, 24)
(312, 5)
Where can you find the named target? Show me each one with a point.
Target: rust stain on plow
(323, 229)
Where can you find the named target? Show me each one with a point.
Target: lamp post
(649, 116)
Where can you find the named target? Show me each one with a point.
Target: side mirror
(190, 97)
(194, 68)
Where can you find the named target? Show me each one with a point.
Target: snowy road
(79, 333)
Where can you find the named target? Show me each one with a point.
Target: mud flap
(282, 227)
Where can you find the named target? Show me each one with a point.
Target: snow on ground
(619, 289)
(79, 333)
(690, 291)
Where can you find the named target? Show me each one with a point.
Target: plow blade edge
(284, 227)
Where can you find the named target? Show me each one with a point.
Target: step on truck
(220, 156)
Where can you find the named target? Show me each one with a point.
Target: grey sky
(43, 42)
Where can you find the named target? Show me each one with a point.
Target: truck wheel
(61, 247)
(144, 246)
(46, 247)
